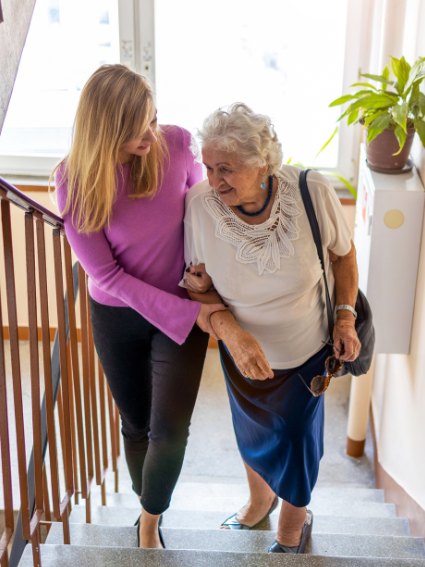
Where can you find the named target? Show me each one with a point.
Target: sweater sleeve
(173, 315)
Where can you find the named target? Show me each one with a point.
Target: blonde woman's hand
(203, 320)
(248, 355)
(197, 279)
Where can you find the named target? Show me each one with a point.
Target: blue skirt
(279, 425)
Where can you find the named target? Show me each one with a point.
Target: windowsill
(28, 183)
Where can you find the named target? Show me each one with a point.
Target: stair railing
(75, 395)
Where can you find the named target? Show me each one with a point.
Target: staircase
(352, 527)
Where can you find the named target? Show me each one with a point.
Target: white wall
(13, 33)
(398, 397)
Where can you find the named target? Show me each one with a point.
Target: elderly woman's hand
(346, 340)
(247, 354)
(197, 279)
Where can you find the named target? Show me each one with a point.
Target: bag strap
(315, 230)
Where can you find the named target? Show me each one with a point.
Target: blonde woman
(247, 230)
(121, 191)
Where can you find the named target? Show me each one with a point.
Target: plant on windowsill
(391, 114)
(324, 171)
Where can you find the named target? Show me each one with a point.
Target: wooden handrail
(21, 200)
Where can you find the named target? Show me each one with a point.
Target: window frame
(137, 50)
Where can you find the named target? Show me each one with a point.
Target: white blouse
(269, 274)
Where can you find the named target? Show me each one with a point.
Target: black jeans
(154, 382)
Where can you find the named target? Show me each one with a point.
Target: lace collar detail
(265, 243)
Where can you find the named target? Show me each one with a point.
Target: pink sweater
(138, 261)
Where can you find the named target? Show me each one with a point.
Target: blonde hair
(250, 136)
(116, 106)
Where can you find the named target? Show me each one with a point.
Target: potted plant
(391, 114)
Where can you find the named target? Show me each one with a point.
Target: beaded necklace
(264, 207)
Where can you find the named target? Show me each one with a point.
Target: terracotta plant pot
(380, 150)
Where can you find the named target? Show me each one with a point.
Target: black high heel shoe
(305, 534)
(233, 524)
(161, 538)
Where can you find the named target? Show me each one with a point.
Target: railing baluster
(86, 382)
(102, 403)
(35, 387)
(5, 457)
(47, 365)
(16, 366)
(73, 428)
(63, 369)
(46, 498)
(34, 360)
(59, 407)
(75, 368)
(93, 396)
(112, 432)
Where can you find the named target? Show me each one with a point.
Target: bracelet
(348, 308)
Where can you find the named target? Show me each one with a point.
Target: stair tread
(123, 515)
(69, 556)
(212, 520)
(219, 494)
(245, 541)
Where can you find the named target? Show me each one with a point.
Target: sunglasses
(320, 384)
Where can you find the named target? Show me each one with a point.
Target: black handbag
(364, 325)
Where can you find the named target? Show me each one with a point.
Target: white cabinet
(387, 237)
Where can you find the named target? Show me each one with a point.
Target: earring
(263, 185)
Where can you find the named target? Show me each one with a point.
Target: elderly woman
(247, 233)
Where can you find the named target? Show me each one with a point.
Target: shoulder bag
(364, 326)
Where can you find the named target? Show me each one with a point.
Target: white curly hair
(237, 129)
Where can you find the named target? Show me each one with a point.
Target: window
(284, 58)
(67, 41)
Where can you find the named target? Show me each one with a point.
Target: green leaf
(421, 103)
(328, 142)
(364, 93)
(391, 93)
(414, 95)
(341, 100)
(386, 74)
(420, 129)
(416, 72)
(368, 102)
(401, 137)
(289, 161)
(380, 78)
(399, 115)
(401, 70)
(371, 117)
(395, 63)
(364, 85)
(352, 117)
(378, 126)
(345, 181)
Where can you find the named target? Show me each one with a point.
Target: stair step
(244, 541)
(322, 524)
(70, 555)
(212, 520)
(199, 496)
(123, 516)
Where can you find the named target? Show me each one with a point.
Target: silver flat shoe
(306, 533)
(233, 524)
